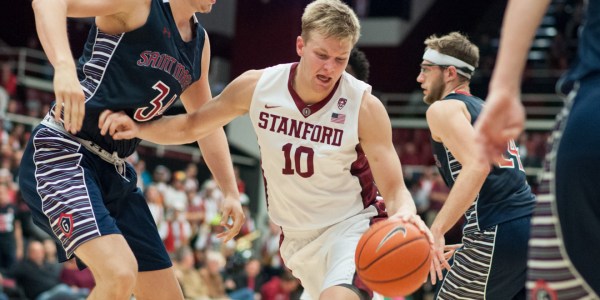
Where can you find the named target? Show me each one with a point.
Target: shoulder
(249, 77)
(444, 107)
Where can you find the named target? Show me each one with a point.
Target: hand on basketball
(70, 99)
(231, 209)
(414, 219)
(119, 125)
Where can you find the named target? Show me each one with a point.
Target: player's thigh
(160, 284)
(577, 176)
(509, 262)
(135, 221)
(58, 183)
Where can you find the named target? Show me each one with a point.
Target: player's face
(322, 60)
(432, 83)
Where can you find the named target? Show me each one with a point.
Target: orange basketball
(392, 258)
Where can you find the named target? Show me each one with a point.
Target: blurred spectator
(281, 287)
(161, 176)
(269, 248)
(189, 277)
(179, 230)
(211, 199)
(240, 183)
(245, 283)
(174, 195)
(422, 190)
(409, 155)
(50, 257)
(11, 235)
(248, 225)
(8, 79)
(3, 103)
(211, 275)
(437, 196)
(80, 281)
(155, 203)
(38, 279)
(191, 178)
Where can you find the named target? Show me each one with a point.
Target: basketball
(393, 258)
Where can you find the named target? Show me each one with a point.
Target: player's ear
(452, 74)
(299, 45)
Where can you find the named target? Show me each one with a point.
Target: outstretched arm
(186, 128)
(503, 117)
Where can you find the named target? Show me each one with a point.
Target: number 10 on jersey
(295, 157)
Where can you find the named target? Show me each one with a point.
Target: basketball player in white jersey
(316, 127)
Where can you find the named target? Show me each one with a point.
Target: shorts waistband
(113, 158)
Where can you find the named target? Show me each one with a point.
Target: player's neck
(182, 13)
(461, 88)
(308, 95)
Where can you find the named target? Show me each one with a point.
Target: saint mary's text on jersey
(300, 129)
(168, 64)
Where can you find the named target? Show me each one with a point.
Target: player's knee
(118, 276)
(121, 281)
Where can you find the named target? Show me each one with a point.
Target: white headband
(447, 60)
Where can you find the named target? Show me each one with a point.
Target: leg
(340, 292)
(471, 264)
(565, 221)
(113, 265)
(160, 284)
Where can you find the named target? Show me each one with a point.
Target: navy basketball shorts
(76, 196)
(492, 264)
(563, 257)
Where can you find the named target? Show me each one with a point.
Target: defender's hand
(119, 125)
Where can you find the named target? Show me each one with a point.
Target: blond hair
(456, 45)
(330, 18)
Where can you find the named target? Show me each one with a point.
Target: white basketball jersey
(315, 171)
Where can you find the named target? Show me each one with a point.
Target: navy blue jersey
(587, 62)
(505, 194)
(141, 72)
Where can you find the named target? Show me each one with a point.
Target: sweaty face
(323, 60)
(431, 80)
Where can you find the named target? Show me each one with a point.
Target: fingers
(102, 121)
(432, 272)
(237, 217)
(117, 124)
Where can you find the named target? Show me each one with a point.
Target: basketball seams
(401, 277)
(383, 254)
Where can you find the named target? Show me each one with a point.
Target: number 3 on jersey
(296, 166)
(158, 104)
(513, 159)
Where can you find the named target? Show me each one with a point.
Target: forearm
(215, 150)
(51, 26)
(400, 200)
(463, 193)
(521, 21)
(170, 130)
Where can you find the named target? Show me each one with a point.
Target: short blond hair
(330, 18)
(456, 45)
